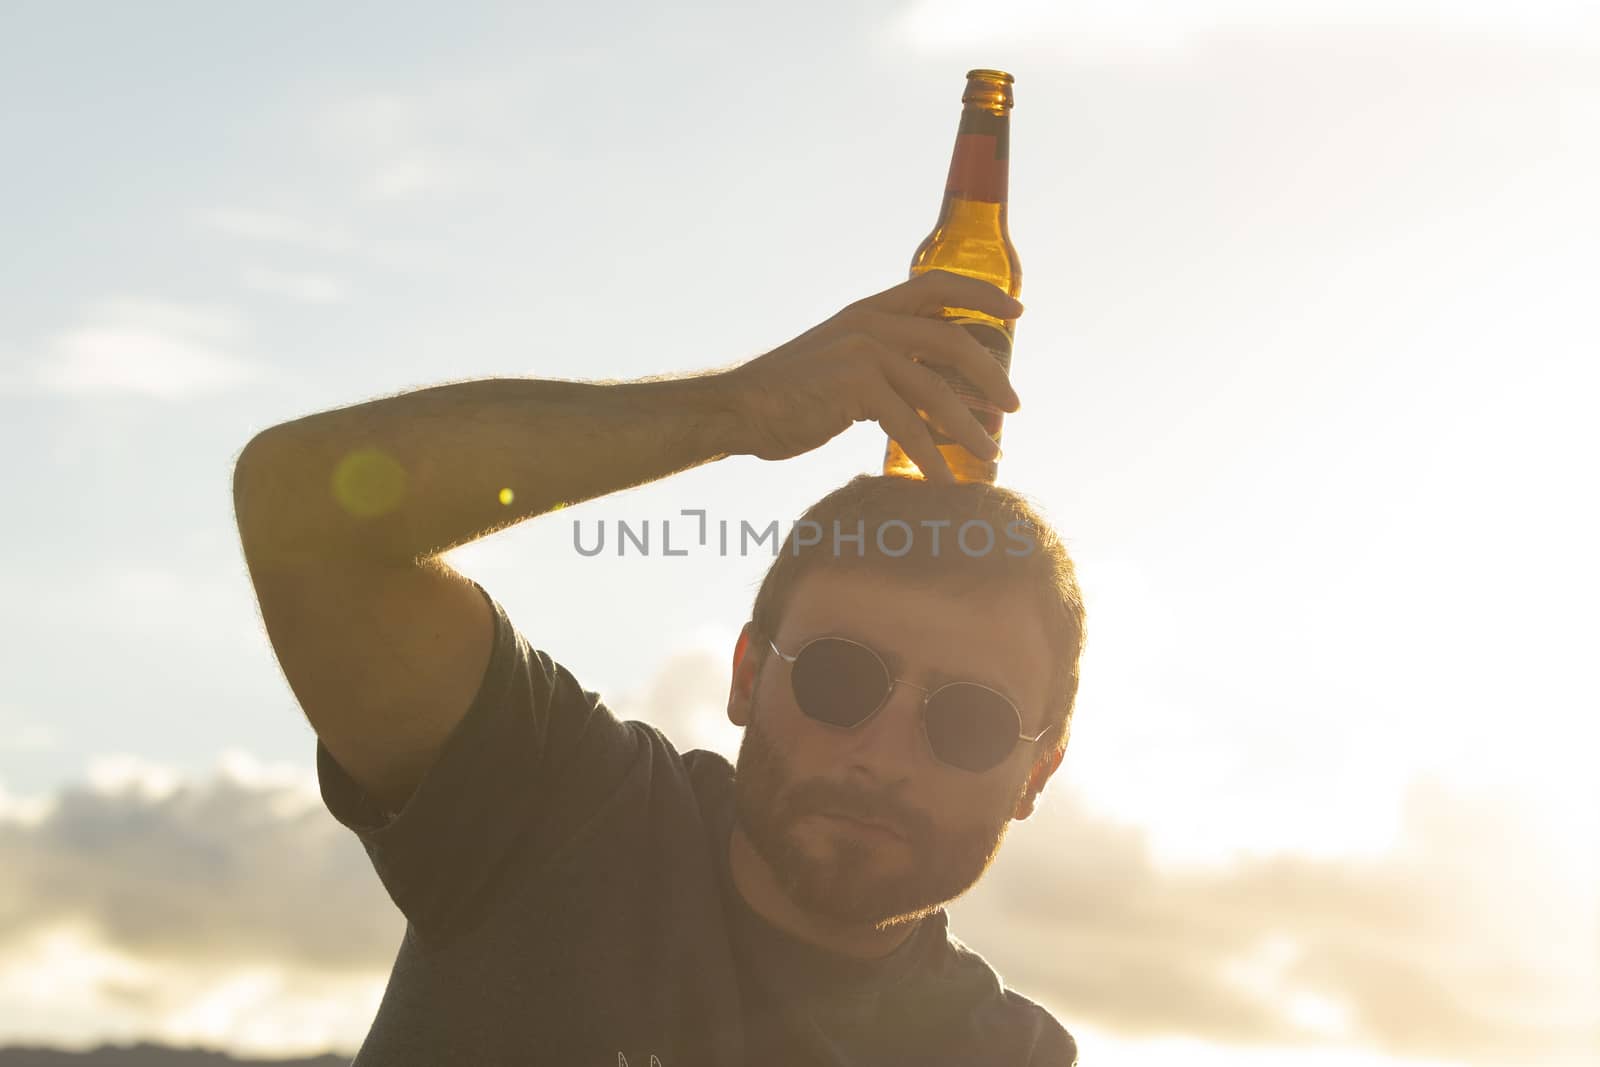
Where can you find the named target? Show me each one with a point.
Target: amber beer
(971, 238)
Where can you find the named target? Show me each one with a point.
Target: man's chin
(820, 888)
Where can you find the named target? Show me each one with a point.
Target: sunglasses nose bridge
(896, 682)
(925, 694)
(880, 718)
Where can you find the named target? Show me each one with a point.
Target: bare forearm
(407, 477)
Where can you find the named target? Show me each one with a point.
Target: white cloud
(270, 228)
(149, 903)
(23, 811)
(373, 121)
(419, 173)
(288, 232)
(447, 139)
(1462, 942)
(63, 982)
(135, 360)
(191, 871)
(153, 348)
(144, 905)
(195, 320)
(687, 700)
(301, 287)
(127, 773)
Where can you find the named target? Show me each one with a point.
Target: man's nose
(892, 738)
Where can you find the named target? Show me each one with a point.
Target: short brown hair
(926, 525)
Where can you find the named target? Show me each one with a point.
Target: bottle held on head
(971, 238)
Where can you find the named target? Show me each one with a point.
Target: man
(576, 890)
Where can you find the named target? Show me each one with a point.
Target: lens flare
(369, 482)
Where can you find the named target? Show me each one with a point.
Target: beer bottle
(971, 238)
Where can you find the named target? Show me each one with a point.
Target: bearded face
(793, 771)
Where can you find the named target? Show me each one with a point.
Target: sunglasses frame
(927, 695)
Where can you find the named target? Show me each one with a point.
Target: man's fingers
(933, 290)
(925, 388)
(948, 344)
(901, 422)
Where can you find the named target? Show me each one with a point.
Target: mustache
(861, 810)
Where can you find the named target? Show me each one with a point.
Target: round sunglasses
(843, 683)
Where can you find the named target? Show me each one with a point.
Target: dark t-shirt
(564, 876)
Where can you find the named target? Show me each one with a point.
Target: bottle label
(983, 409)
(980, 163)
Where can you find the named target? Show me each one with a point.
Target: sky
(1307, 372)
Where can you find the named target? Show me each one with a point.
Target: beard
(851, 881)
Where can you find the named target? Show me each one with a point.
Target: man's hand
(870, 362)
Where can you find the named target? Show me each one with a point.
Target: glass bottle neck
(979, 163)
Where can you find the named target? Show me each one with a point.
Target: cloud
(419, 174)
(278, 230)
(1459, 943)
(160, 349)
(447, 139)
(687, 700)
(270, 228)
(132, 901)
(234, 909)
(300, 287)
(1163, 26)
(177, 871)
(138, 361)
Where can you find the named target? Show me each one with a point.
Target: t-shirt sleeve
(534, 756)
(1049, 1044)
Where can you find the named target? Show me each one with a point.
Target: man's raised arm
(343, 515)
(404, 478)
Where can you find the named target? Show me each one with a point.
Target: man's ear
(748, 655)
(1036, 779)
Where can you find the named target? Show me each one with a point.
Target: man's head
(946, 583)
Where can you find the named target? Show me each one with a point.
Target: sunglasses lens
(838, 682)
(971, 727)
